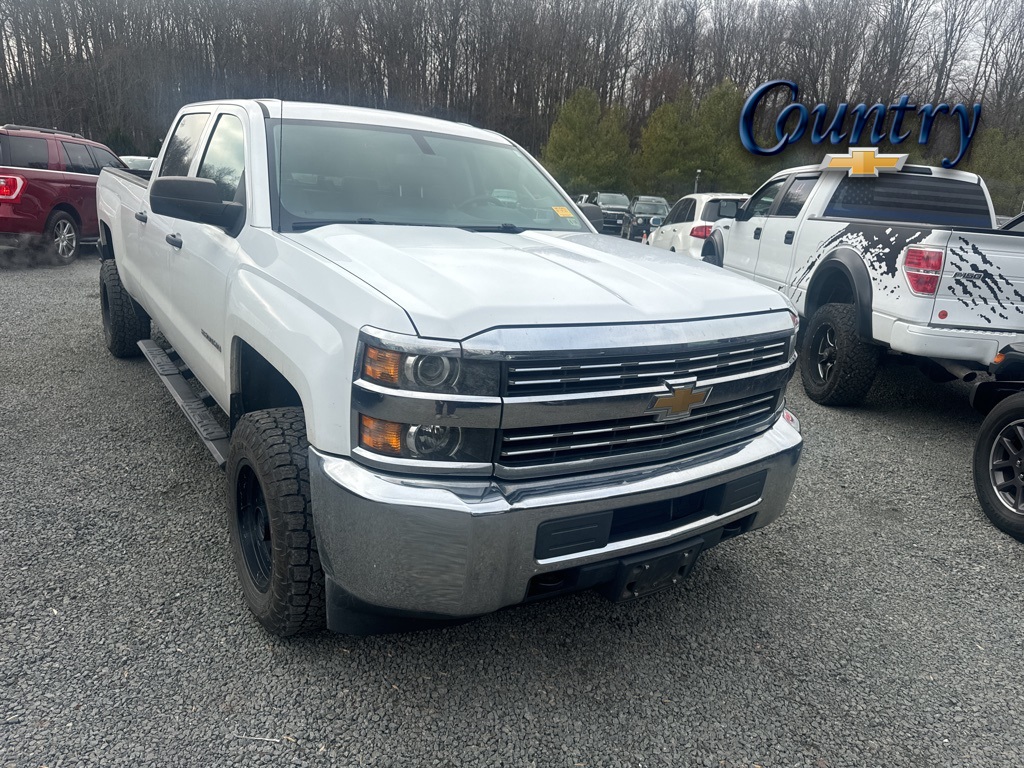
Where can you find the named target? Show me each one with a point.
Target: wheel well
(830, 287)
(69, 210)
(257, 384)
(105, 245)
(708, 248)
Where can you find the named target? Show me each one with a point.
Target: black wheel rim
(254, 528)
(1006, 466)
(824, 351)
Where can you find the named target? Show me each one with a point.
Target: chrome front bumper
(447, 549)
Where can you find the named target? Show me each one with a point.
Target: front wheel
(270, 521)
(999, 466)
(836, 367)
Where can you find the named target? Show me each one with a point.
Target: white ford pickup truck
(435, 389)
(908, 262)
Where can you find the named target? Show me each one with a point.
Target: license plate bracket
(654, 571)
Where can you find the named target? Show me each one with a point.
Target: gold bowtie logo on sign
(863, 162)
(678, 404)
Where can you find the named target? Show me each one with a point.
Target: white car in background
(689, 222)
(138, 162)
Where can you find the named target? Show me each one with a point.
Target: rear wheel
(61, 243)
(270, 521)
(999, 466)
(836, 367)
(123, 327)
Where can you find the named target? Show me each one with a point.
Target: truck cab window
(224, 159)
(795, 197)
(761, 203)
(181, 147)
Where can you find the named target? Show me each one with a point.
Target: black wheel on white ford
(836, 366)
(999, 466)
(270, 521)
(123, 327)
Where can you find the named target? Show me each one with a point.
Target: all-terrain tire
(999, 466)
(61, 239)
(836, 366)
(123, 326)
(270, 521)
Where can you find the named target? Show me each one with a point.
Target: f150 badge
(678, 404)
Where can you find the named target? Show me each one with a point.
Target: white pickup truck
(907, 261)
(436, 390)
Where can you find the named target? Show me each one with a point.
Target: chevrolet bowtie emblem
(677, 405)
(863, 162)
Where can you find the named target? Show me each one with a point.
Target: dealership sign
(862, 122)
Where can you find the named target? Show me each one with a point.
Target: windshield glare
(326, 172)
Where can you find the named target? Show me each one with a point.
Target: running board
(195, 410)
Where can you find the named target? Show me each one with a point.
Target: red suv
(48, 189)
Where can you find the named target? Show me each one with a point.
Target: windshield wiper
(512, 229)
(303, 226)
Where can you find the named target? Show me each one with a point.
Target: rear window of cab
(913, 199)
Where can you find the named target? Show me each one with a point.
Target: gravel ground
(878, 623)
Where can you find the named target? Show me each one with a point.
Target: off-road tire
(1001, 441)
(123, 326)
(271, 525)
(61, 239)
(836, 366)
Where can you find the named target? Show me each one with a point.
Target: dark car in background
(48, 190)
(644, 214)
(613, 207)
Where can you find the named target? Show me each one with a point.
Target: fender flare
(850, 264)
(716, 241)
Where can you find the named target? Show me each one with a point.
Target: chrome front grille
(706, 428)
(599, 374)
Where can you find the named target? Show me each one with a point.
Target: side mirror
(193, 199)
(727, 209)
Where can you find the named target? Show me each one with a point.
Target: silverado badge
(678, 404)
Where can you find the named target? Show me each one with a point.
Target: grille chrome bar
(727, 422)
(631, 371)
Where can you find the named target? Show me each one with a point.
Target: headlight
(419, 406)
(640, 220)
(429, 368)
(425, 442)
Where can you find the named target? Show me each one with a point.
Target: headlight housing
(427, 368)
(419, 405)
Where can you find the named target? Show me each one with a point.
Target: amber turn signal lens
(381, 365)
(380, 436)
(998, 358)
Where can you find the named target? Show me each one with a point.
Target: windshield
(611, 199)
(656, 209)
(331, 172)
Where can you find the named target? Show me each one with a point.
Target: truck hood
(454, 283)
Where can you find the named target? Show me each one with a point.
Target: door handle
(757, 233)
(789, 237)
(173, 240)
(141, 216)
